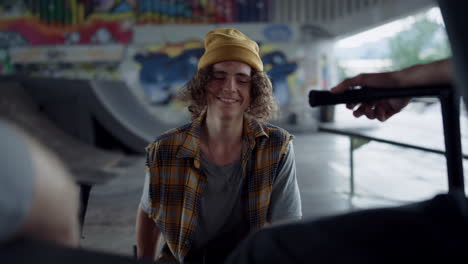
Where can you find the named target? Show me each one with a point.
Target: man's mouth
(227, 100)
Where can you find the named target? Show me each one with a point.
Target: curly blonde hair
(263, 106)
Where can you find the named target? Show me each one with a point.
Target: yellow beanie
(227, 44)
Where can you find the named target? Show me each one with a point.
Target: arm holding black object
(437, 72)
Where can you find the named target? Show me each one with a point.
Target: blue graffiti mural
(122, 7)
(161, 75)
(279, 71)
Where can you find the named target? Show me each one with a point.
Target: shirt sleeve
(285, 198)
(144, 202)
(16, 182)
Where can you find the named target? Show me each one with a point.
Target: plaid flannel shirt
(177, 183)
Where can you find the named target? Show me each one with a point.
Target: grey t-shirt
(16, 181)
(221, 204)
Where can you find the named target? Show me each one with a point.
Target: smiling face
(228, 92)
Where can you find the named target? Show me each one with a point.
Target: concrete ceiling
(340, 18)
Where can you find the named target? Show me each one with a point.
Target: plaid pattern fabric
(177, 183)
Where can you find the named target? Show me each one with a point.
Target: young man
(226, 173)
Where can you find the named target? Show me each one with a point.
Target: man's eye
(218, 77)
(244, 81)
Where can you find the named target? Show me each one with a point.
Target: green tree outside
(423, 42)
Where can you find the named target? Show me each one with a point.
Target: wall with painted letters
(131, 41)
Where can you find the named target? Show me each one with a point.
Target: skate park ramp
(98, 112)
(84, 160)
(118, 109)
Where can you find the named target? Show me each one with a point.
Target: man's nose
(229, 85)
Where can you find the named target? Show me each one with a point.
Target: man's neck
(223, 131)
(221, 140)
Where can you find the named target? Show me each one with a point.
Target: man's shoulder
(276, 132)
(175, 136)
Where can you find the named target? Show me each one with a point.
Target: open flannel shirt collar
(190, 148)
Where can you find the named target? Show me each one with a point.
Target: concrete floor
(385, 175)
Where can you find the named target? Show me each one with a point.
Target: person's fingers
(341, 87)
(380, 113)
(389, 109)
(389, 114)
(359, 111)
(347, 83)
(370, 111)
(350, 106)
(398, 104)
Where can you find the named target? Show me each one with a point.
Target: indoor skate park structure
(100, 123)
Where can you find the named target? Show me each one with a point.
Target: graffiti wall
(75, 12)
(115, 39)
(57, 22)
(166, 69)
(161, 68)
(64, 38)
